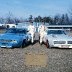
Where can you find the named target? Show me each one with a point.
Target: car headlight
(14, 41)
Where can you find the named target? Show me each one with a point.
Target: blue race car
(14, 37)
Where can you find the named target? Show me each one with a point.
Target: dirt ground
(17, 59)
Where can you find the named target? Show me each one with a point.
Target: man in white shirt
(42, 29)
(31, 29)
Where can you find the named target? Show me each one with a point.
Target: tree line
(10, 19)
(58, 19)
(63, 19)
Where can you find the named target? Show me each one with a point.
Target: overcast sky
(24, 8)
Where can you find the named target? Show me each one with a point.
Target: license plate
(65, 46)
(3, 46)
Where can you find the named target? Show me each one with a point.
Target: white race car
(57, 38)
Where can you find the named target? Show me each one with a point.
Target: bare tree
(2, 20)
(70, 15)
(30, 18)
(10, 18)
(56, 19)
(67, 20)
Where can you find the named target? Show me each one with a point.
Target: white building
(10, 25)
(1, 24)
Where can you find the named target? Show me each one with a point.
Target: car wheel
(39, 39)
(24, 43)
(47, 44)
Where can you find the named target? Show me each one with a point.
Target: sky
(24, 8)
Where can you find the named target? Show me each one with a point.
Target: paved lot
(13, 60)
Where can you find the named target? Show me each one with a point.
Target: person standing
(31, 29)
(42, 28)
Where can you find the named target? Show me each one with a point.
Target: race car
(57, 38)
(14, 37)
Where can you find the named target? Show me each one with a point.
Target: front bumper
(63, 45)
(8, 45)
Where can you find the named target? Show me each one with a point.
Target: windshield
(55, 32)
(20, 31)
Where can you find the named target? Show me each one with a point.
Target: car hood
(10, 36)
(60, 37)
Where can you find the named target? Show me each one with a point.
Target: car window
(55, 32)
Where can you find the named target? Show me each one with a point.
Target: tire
(23, 43)
(47, 44)
(39, 39)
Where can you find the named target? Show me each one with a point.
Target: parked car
(57, 38)
(14, 37)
